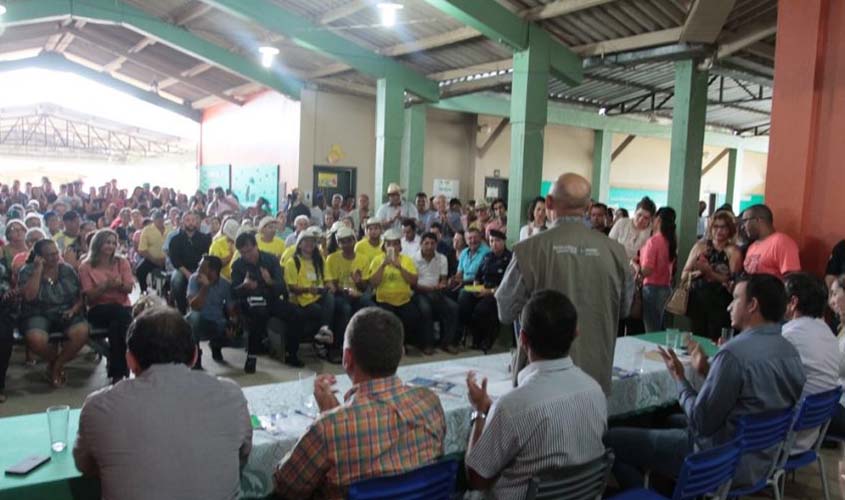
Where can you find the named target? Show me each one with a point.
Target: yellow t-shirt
(220, 248)
(287, 255)
(340, 269)
(393, 289)
(275, 247)
(364, 248)
(305, 277)
(152, 241)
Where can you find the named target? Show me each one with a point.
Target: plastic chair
(706, 473)
(761, 432)
(431, 482)
(579, 482)
(815, 413)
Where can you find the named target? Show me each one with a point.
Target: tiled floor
(28, 392)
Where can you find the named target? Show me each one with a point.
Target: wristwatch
(475, 415)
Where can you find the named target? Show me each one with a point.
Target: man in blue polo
(471, 257)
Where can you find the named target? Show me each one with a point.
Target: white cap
(392, 234)
(344, 232)
(311, 232)
(230, 229)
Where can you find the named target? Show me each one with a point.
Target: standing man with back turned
(581, 263)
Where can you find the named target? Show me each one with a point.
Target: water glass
(672, 338)
(306, 390)
(637, 362)
(57, 420)
(727, 334)
(686, 338)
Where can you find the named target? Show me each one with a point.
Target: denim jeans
(344, 307)
(654, 304)
(6, 341)
(205, 329)
(116, 318)
(434, 306)
(639, 450)
(179, 290)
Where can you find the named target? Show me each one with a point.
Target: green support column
(390, 109)
(688, 115)
(529, 111)
(602, 150)
(413, 149)
(735, 157)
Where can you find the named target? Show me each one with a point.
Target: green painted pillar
(735, 157)
(413, 149)
(602, 150)
(688, 115)
(390, 108)
(529, 110)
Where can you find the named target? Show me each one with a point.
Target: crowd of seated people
(365, 285)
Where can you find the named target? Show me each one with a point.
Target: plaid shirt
(383, 428)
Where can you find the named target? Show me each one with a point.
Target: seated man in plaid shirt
(383, 427)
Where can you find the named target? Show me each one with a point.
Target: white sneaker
(324, 335)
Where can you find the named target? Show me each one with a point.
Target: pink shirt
(92, 278)
(655, 256)
(776, 255)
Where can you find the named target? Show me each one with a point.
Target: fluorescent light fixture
(2, 9)
(387, 12)
(267, 55)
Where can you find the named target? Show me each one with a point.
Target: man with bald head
(583, 264)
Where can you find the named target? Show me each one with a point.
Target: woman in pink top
(107, 281)
(656, 261)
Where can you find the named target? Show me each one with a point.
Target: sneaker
(217, 353)
(292, 360)
(324, 335)
(251, 362)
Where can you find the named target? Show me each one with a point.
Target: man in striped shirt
(383, 427)
(555, 418)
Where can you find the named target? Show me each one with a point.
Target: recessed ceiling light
(388, 11)
(267, 55)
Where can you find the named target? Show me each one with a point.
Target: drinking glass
(306, 390)
(637, 362)
(672, 337)
(727, 334)
(57, 419)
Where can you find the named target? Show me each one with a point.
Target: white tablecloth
(282, 403)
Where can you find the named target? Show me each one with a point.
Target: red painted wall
(265, 130)
(807, 146)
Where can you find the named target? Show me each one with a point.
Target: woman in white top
(837, 303)
(536, 218)
(634, 232)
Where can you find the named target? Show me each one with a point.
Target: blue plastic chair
(431, 482)
(762, 432)
(815, 413)
(707, 472)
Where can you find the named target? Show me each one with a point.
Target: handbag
(679, 300)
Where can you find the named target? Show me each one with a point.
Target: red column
(805, 170)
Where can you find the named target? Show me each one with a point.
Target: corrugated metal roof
(603, 85)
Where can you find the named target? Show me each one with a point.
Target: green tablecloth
(28, 435)
(660, 338)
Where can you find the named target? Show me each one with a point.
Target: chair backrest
(708, 472)
(579, 482)
(430, 482)
(816, 410)
(761, 431)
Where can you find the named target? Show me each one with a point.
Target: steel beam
(602, 159)
(390, 113)
(499, 24)
(687, 147)
(735, 160)
(413, 149)
(705, 20)
(528, 116)
(305, 34)
(58, 63)
(120, 13)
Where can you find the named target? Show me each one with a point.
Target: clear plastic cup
(306, 391)
(637, 360)
(672, 338)
(57, 420)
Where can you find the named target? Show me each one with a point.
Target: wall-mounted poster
(327, 180)
(212, 176)
(254, 181)
(450, 188)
